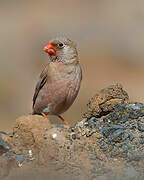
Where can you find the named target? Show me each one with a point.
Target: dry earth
(108, 143)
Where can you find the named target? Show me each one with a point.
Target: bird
(60, 80)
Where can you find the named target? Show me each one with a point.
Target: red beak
(49, 48)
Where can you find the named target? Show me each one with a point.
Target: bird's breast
(60, 71)
(63, 87)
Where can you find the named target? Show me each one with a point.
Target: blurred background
(109, 37)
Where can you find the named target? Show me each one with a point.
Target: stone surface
(105, 100)
(106, 144)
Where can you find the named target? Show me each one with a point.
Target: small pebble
(16, 135)
(19, 164)
(74, 136)
(54, 135)
(30, 153)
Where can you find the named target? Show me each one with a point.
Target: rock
(105, 100)
(29, 130)
(140, 124)
(4, 146)
(107, 143)
(123, 112)
(34, 136)
(6, 165)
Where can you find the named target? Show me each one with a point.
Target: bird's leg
(44, 115)
(65, 122)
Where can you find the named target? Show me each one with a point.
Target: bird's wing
(40, 84)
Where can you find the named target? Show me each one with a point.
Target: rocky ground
(108, 143)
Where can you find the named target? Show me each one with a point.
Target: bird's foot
(65, 122)
(44, 115)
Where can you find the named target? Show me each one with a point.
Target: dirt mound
(107, 144)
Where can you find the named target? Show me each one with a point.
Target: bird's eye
(60, 45)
